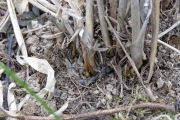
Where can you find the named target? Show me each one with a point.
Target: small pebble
(114, 91)
(172, 56)
(63, 96)
(96, 92)
(103, 101)
(109, 87)
(163, 51)
(160, 48)
(108, 95)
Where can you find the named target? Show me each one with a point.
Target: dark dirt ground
(103, 90)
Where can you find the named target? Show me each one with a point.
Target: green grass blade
(20, 82)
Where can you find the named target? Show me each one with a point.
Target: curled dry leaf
(86, 38)
(16, 28)
(11, 100)
(22, 6)
(67, 11)
(44, 112)
(52, 36)
(26, 98)
(42, 66)
(160, 83)
(63, 108)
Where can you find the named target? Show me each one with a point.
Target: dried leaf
(67, 11)
(10, 113)
(11, 99)
(42, 66)
(24, 22)
(62, 109)
(22, 6)
(160, 83)
(28, 15)
(16, 28)
(35, 10)
(41, 21)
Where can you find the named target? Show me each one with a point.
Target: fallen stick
(106, 112)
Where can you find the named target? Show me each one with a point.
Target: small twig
(169, 46)
(66, 10)
(40, 6)
(77, 88)
(5, 23)
(131, 61)
(131, 104)
(9, 38)
(165, 32)
(169, 29)
(105, 112)
(16, 28)
(35, 29)
(82, 85)
(5, 3)
(161, 116)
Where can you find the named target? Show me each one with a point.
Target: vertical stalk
(136, 49)
(121, 19)
(90, 23)
(135, 14)
(121, 15)
(113, 8)
(90, 17)
(155, 30)
(103, 24)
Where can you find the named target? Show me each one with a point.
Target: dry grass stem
(48, 5)
(113, 8)
(16, 28)
(4, 22)
(90, 17)
(155, 30)
(136, 49)
(38, 5)
(105, 112)
(103, 24)
(121, 15)
(169, 29)
(35, 29)
(169, 46)
(131, 62)
(138, 45)
(90, 23)
(135, 16)
(121, 22)
(65, 10)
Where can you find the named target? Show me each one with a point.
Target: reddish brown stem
(106, 112)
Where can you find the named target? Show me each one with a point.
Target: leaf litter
(53, 59)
